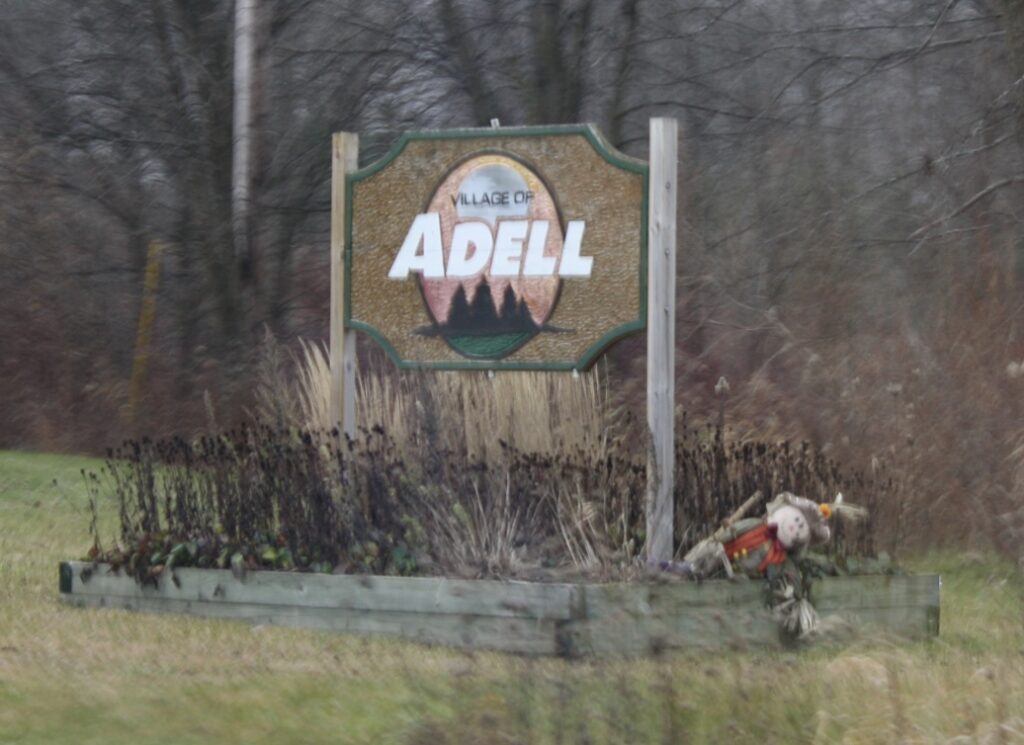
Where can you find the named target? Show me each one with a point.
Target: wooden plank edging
(521, 617)
(342, 591)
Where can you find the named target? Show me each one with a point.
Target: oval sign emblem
(500, 285)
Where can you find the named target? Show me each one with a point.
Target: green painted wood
(517, 635)
(876, 591)
(353, 592)
(640, 619)
(644, 618)
(521, 617)
(680, 594)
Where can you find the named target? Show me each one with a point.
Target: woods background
(851, 244)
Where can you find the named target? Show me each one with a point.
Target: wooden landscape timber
(530, 618)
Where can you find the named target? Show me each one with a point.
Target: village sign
(512, 248)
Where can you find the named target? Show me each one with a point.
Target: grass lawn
(83, 676)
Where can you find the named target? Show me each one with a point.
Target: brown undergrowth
(257, 496)
(519, 474)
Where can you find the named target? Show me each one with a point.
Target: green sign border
(606, 151)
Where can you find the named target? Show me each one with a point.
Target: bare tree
(853, 173)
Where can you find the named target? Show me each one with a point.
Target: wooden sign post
(520, 248)
(661, 338)
(344, 160)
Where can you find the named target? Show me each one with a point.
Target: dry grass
(478, 533)
(480, 417)
(84, 676)
(535, 412)
(314, 386)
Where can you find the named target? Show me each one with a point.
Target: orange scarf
(754, 539)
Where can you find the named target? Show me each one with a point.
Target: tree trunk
(241, 174)
(1013, 19)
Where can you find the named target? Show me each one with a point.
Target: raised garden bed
(568, 619)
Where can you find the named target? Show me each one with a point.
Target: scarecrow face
(792, 528)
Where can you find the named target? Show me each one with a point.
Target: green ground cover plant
(81, 676)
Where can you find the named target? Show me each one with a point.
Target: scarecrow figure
(768, 547)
